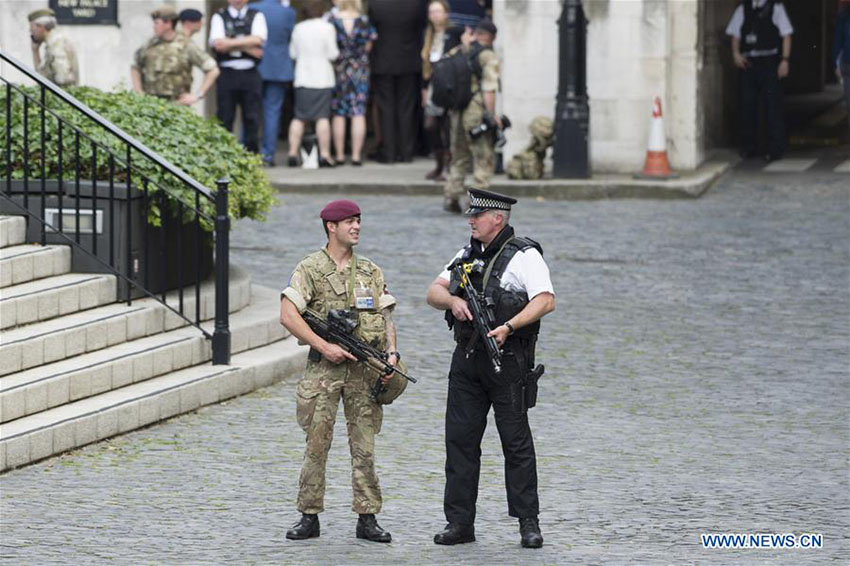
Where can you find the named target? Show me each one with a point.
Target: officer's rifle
(482, 317)
(339, 329)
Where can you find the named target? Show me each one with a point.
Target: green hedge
(200, 147)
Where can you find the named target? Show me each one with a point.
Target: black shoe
(747, 153)
(369, 529)
(324, 163)
(771, 157)
(451, 205)
(455, 533)
(292, 161)
(306, 527)
(529, 529)
(357, 163)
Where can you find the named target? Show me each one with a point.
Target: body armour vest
(759, 35)
(504, 303)
(236, 27)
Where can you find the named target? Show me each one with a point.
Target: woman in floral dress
(354, 35)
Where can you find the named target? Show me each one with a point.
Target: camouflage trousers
(469, 155)
(318, 394)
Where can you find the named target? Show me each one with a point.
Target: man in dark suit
(275, 69)
(396, 67)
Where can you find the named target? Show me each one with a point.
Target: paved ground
(409, 179)
(697, 381)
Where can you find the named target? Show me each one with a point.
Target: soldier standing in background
(163, 67)
(191, 22)
(468, 153)
(60, 59)
(335, 278)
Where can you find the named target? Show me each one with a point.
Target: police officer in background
(468, 153)
(335, 278)
(163, 66)
(761, 47)
(515, 278)
(237, 36)
(59, 63)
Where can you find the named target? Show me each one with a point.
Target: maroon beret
(339, 210)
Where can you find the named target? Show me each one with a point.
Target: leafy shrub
(200, 147)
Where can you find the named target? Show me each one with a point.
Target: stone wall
(636, 50)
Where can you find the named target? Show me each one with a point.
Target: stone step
(13, 230)
(60, 338)
(55, 296)
(52, 385)
(29, 439)
(19, 264)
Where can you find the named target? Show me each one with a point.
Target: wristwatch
(510, 328)
(396, 354)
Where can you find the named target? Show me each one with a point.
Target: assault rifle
(482, 316)
(339, 329)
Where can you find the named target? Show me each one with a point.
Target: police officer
(60, 58)
(237, 36)
(515, 279)
(335, 278)
(761, 47)
(163, 66)
(477, 154)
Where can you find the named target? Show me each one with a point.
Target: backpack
(451, 78)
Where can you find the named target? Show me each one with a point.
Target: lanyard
(352, 264)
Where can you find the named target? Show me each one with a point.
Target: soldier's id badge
(363, 299)
(751, 39)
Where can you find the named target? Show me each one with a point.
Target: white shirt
(313, 47)
(527, 273)
(780, 19)
(258, 28)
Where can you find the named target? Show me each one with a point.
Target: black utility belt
(509, 346)
(232, 70)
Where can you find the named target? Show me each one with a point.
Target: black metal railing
(156, 243)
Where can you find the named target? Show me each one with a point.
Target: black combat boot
(529, 529)
(306, 527)
(369, 529)
(455, 533)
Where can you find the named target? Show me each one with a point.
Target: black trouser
(243, 88)
(397, 104)
(760, 78)
(473, 387)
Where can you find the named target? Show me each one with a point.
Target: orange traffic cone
(656, 165)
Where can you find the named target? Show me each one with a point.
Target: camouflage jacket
(60, 60)
(166, 66)
(316, 284)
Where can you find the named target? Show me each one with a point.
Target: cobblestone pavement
(697, 381)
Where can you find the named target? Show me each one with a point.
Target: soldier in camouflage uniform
(163, 67)
(60, 58)
(468, 153)
(335, 278)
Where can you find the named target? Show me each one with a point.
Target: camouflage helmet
(394, 387)
(542, 128)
